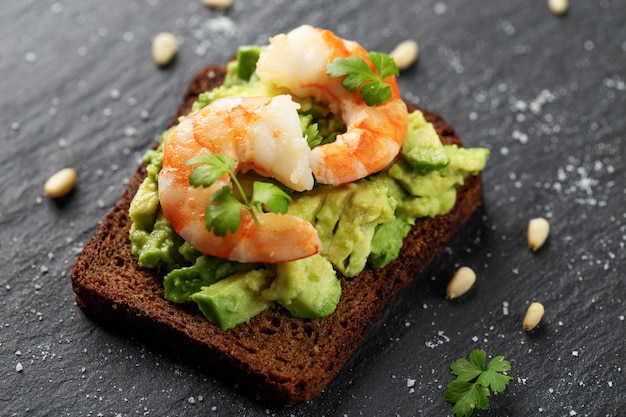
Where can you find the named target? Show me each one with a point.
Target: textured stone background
(546, 94)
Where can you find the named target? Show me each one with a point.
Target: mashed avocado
(359, 223)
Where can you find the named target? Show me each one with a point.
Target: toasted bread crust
(282, 359)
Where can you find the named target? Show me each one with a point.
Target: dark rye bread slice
(278, 358)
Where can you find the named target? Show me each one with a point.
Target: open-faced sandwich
(294, 194)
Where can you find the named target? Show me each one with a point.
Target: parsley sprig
(360, 76)
(223, 213)
(313, 136)
(474, 380)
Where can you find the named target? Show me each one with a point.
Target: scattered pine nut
(60, 183)
(558, 7)
(461, 282)
(533, 316)
(538, 231)
(405, 54)
(164, 47)
(218, 4)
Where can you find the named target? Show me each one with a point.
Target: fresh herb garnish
(223, 213)
(359, 75)
(473, 383)
(313, 136)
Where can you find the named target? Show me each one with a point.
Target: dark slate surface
(546, 94)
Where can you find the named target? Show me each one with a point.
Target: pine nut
(164, 47)
(533, 316)
(60, 183)
(461, 282)
(218, 4)
(538, 231)
(558, 7)
(405, 54)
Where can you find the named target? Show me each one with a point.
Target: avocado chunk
(158, 246)
(434, 192)
(180, 284)
(387, 241)
(247, 56)
(308, 288)
(345, 219)
(236, 299)
(422, 149)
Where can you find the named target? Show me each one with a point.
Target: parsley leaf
(210, 168)
(385, 65)
(471, 388)
(223, 213)
(270, 196)
(313, 136)
(358, 75)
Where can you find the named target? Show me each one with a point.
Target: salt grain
(130, 131)
(56, 8)
(520, 137)
(19, 367)
(30, 57)
(440, 9)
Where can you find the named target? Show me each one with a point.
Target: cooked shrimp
(297, 62)
(263, 134)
